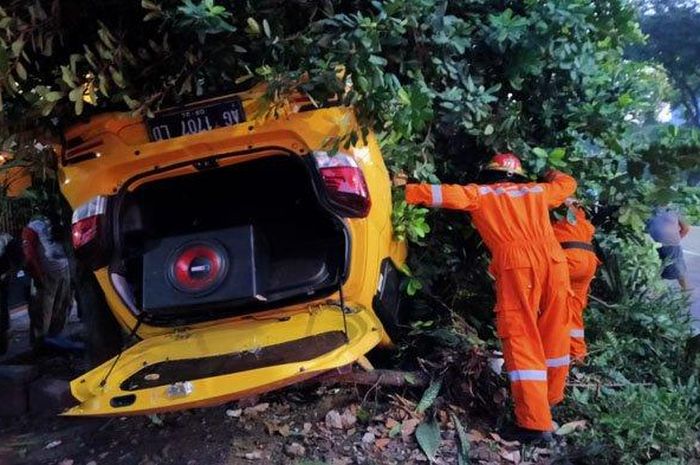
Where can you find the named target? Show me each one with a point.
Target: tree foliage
(672, 27)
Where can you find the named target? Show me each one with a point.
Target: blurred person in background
(10, 262)
(48, 265)
(668, 228)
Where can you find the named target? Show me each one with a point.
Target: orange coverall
(532, 282)
(582, 268)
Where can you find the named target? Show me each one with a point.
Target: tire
(387, 302)
(102, 333)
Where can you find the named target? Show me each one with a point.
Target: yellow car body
(225, 358)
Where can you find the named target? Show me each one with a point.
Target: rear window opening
(229, 240)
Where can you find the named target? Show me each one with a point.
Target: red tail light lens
(87, 222)
(84, 231)
(345, 183)
(91, 239)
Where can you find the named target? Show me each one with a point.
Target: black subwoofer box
(203, 270)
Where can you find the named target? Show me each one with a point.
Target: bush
(638, 393)
(641, 340)
(638, 423)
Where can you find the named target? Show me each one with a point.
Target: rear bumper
(209, 366)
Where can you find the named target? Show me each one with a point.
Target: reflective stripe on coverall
(532, 282)
(582, 268)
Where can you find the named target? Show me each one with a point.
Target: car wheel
(387, 301)
(102, 334)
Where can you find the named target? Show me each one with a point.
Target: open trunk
(228, 240)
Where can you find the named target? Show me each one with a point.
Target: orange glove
(551, 175)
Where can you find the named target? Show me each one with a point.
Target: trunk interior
(300, 248)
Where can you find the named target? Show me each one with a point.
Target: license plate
(196, 118)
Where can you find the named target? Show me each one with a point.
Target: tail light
(89, 231)
(345, 184)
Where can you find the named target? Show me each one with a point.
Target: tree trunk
(690, 101)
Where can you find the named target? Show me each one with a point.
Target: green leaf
(102, 84)
(396, 430)
(377, 60)
(17, 47)
(79, 107)
(413, 286)
(74, 59)
(266, 28)
(67, 76)
(21, 71)
(403, 96)
(557, 154)
(149, 5)
(53, 96)
(488, 130)
(463, 444)
(625, 100)
(75, 94)
(540, 152)
(429, 396)
(47, 108)
(117, 77)
(47, 50)
(428, 437)
(253, 26)
(131, 103)
(570, 427)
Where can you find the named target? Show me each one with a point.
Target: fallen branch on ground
(380, 377)
(602, 302)
(613, 385)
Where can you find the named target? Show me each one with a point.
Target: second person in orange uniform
(576, 236)
(532, 279)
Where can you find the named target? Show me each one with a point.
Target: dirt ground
(309, 424)
(303, 425)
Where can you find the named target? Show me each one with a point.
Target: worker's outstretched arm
(558, 187)
(451, 196)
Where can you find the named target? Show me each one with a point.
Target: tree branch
(690, 102)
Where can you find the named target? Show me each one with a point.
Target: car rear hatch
(228, 240)
(224, 362)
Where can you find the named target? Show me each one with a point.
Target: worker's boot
(526, 436)
(556, 411)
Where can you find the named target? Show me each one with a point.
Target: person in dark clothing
(10, 261)
(668, 227)
(48, 266)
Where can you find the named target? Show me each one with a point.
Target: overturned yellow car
(243, 256)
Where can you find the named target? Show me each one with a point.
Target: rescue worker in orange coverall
(532, 280)
(575, 234)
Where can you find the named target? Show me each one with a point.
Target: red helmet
(506, 162)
